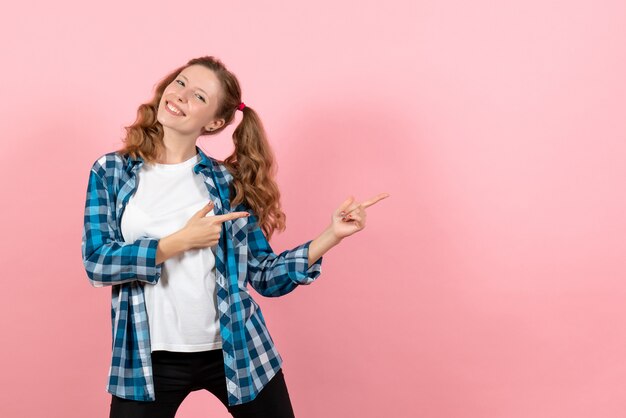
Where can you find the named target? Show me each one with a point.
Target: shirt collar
(205, 161)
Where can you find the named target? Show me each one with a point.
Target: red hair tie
(241, 106)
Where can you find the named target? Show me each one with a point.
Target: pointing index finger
(230, 216)
(374, 199)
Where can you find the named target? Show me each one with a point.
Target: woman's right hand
(201, 231)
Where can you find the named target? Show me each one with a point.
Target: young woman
(179, 235)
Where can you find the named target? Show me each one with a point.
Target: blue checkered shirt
(243, 257)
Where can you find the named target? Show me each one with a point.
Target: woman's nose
(182, 95)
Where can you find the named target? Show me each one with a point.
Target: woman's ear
(214, 125)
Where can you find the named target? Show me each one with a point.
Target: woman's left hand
(350, 216)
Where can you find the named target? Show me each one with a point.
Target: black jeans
(176, 374)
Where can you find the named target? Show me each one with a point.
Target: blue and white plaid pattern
(243, 256)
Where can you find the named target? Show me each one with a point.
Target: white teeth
(173, 109)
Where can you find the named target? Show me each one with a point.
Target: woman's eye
(182, 83)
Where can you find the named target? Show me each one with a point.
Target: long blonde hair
(252, 161)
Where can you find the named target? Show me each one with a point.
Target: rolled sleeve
(297, 261)
(273, 274)
(108, 261)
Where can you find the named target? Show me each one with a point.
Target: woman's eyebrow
(180, 75)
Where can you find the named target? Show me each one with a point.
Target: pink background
(490, 284)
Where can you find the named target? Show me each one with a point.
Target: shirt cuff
(147, 268)
(298, 262)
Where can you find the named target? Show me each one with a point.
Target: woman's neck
(177, 149)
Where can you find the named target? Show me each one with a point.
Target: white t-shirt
(181, 306)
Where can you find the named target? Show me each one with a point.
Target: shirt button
(119, 206)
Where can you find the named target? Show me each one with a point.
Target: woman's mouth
(173, 109)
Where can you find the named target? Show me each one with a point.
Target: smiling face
(189, 103)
